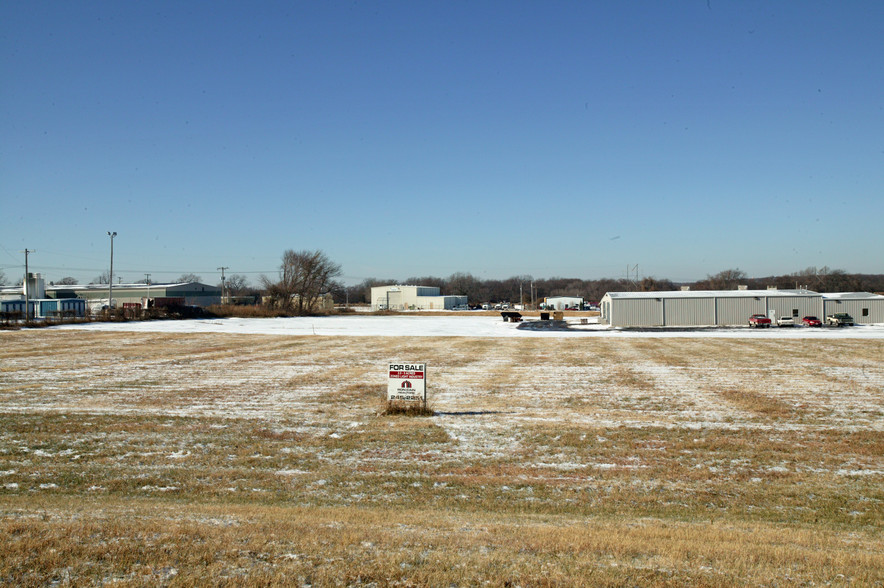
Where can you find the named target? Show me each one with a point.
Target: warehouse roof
(852, 296)
(710, 294)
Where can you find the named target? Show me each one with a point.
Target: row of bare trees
(306, 276)
(519, 288)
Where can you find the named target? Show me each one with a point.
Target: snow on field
(457, 326)
(607, 377)
(497, 391)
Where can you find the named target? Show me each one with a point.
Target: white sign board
(408, 382)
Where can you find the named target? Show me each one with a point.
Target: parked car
(759, 321)
(839, 319)
(785, 321)
(811, 321)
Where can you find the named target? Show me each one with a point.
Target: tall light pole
(110, 280)
(148, 290)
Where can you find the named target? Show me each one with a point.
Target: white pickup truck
(839, 319)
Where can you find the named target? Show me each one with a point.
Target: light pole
(110, 280)
(223, 298)
(148, 291)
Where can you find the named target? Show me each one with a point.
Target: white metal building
(400, 297)
(705, 307)
(865, 308)
(563, 302)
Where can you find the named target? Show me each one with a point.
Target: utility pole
(110, 278)
(222, 268)
(148, 290)
(27, 288)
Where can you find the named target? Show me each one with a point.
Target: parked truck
(839, 319)
(759, 321)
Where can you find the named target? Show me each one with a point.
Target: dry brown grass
(251, 460)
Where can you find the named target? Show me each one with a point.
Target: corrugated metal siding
(637, 313)
(605, 310)
(728, 310)
(689, 312)
(855, 307)
(787, 305)
(736, 311)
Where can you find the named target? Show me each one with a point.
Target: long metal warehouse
(705, 307)
(865, 308)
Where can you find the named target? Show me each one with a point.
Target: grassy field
(146, 459)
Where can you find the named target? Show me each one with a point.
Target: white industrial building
(563, 303)
(865, 308)
(705, 308)
(399, 297)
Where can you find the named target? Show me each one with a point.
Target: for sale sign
(408, 382)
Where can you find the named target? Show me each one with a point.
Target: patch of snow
(844, 472)
(454, 326)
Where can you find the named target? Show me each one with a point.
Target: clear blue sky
(425, 138)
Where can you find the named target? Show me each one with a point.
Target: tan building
(400, 297)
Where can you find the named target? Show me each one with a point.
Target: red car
(811, 321)
(759, 321)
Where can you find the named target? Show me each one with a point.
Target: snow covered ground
(458, 326)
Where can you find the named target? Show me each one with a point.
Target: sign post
(407, 383)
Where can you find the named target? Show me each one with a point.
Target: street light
(110, 280)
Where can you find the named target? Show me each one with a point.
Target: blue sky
(426, 138)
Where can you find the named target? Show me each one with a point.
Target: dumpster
(544, 316)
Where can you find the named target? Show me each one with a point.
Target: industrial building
(563, 303)
(96, 295)
(705, 308)
(45, 307)
(399, 297)
(865, 308)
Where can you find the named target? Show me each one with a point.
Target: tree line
(520, 288)
(305, 276)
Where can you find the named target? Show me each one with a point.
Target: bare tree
(2, 279)
(102, 278)
(236, 284)
(727, 279)
(304, 276)
(466, 284)
(67, 281)
(186, 278)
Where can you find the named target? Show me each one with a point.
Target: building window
(865, 312)
(794, 313)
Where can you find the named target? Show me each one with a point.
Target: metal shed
(704, 307)
(865, 308)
